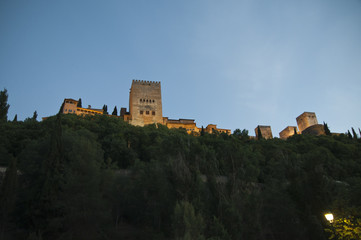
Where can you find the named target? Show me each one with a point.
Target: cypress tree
(259, 133)
(349, 134)
(79, 103)
(15, 118)
(354, 133)
(115, 111)
(4, 106)
(105, 109)
(35, 116)
(327, 130)
(295, 131)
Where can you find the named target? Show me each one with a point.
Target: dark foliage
(97, 177)
(4, 106)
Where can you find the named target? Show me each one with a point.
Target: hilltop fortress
(307, 124)
(145, 107)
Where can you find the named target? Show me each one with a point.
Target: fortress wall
(288, 132)
(315, 130)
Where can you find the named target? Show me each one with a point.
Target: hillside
(98, 177)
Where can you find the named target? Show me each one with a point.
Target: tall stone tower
(306, 120)
(145, 103)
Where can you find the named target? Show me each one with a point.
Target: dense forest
(97, 177)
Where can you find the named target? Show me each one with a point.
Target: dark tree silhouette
(354, 133)
(259, 133)
(4, 106)
(35, 116)
(327, 130)
(79, 103)
(349, 134)
(115, 111)
(105, 109)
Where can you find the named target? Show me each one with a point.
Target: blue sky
(236, 64)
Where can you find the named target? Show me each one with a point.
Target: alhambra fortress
(145, 107)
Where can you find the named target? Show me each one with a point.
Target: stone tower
(145, 103)
(265, 131)
(306, 120)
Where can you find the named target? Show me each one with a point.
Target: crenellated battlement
(144, 82)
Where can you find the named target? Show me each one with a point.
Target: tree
(15, 118)
(349, 134)
(79, 103)
(35, 116)
(187, 224)
(345, 228)
(354, 133)
(115, 111)
(4, 106)
(327, 130)
(295, 131)
(241, 134)
(259, 133)
(105, 109)
(8, 195)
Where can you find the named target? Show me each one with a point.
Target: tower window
(141, 112)
(147, 112)
(153, 113)
(140, 100)
(153, 100)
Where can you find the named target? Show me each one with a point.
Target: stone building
(306, 120)
(71, 106)
(265, 131)
(145, 103)
(145, 107)
(288, 132)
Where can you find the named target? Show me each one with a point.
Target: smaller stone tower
(265, 131)
(145, 103)
(288, 132)
(306, 120)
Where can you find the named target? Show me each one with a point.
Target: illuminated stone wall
(314, 130)
(265, 131)
(145, 103)
(306, 120)
(288, 132)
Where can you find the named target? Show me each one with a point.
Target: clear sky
(236, 64)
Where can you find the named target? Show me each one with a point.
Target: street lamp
(329, 217)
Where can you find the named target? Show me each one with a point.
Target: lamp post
(329, 217)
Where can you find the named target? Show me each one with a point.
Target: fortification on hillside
(145, 107)
(145, 103)
(306, 120)
(288, 132)
(307, 124)
(265, 131)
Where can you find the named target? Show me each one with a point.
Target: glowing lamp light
(329, 217)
